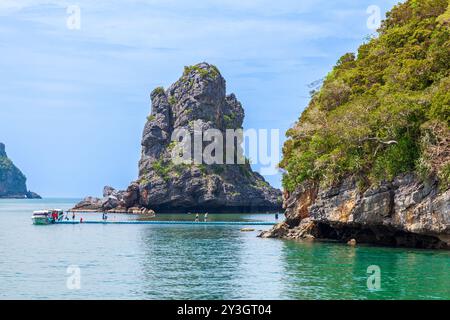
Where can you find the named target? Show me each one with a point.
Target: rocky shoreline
(113, 201)
(406, 212)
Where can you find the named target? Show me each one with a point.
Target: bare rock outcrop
(406, 212)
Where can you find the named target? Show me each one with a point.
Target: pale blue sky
(73, 103)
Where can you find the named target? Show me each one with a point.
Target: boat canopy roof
(41, 212)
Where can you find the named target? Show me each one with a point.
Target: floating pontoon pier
(212, 223)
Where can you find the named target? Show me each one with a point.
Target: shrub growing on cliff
(159, 90)
(162, 168)
(212, 71)
(369, 117)
(172, 100)
(9, 170)
(5, 163)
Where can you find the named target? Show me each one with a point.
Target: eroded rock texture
(195, 103)
(406, 212)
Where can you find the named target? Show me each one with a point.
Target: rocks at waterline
(406, 212)
(113, 201)
(32, 195)
(197, 100)
(12, 180)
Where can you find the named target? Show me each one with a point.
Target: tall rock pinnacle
(195, 103)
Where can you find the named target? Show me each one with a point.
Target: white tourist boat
(43, 217)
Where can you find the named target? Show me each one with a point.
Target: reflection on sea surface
(336, 271)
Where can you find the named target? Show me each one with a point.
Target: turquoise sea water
(197, 262)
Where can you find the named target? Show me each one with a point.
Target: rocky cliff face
(195, 103)
(405, 212)
(12, 180)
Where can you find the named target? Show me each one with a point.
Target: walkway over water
(212, 223)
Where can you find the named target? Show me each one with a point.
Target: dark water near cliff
(198, 262)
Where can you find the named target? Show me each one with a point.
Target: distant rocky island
(197, 100)
(12, 180)
(369, 159)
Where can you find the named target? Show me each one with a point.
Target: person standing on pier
(197, 218)
(206, 217)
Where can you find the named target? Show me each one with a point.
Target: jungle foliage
(382, 111)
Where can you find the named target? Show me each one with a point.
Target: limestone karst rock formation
(196, 102)
(12, 180)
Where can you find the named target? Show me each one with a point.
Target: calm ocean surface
(198, 262)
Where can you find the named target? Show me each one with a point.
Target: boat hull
(40, 221)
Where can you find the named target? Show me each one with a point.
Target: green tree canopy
(383, 111)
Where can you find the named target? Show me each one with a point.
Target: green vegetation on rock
(12, 180)
(5, 164)
(159, 90)
(162, 168)
(229, 120)
(211, 72)
(445, 17)
(172, 100)
(382, 112)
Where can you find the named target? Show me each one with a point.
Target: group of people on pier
(197, 217)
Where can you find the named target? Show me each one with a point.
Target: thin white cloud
(12, 6)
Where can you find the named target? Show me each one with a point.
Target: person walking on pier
(197, 218)
(206, 217)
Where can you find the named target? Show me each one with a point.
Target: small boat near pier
(44, 217)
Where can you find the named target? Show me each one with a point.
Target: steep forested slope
(383, 111)
(369, 158)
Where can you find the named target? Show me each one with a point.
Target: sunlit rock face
(195, 103)
(406, 212)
